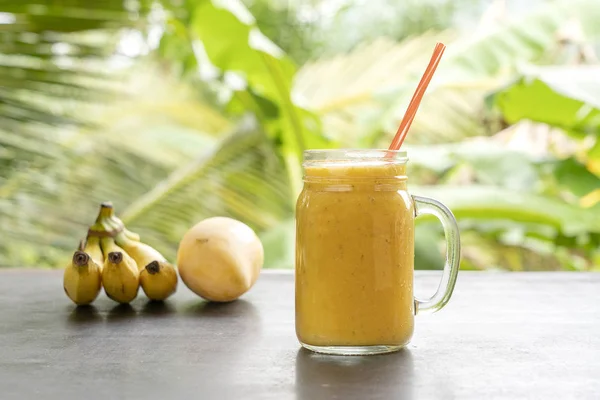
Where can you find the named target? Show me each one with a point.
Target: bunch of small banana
(113, 257)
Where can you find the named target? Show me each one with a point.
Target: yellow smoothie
(354, 255)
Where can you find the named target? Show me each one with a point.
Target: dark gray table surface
(502, 336)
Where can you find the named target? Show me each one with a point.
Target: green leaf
(571, 98)
(489, 163)
(484, 203)
(574, 176)
(234, 43)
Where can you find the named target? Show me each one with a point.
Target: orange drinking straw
(416, 99)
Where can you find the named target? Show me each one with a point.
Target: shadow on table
(84, 315)
(121, 312)
(325, 377)
(233, 309)
(228, 328)
(157, 309)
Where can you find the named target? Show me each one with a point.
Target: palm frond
(55, 53)
(49, 193)
(242, 177)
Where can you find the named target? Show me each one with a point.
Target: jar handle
(425, 205)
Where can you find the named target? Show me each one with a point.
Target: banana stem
(103, 226)
(106, 211)
(80, 258)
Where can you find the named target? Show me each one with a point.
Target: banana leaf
(571, 98)
(362, 95)
(493, 203)
(571, 102)
(234, 44)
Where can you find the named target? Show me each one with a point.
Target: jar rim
(356, 155)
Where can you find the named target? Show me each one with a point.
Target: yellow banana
(158, 280)
(120, 277)
(82, 279)
(107, 210)
(92, 248)
(108, 245)
(140, 252)
(130, 235)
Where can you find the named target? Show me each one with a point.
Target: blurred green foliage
(177, 110)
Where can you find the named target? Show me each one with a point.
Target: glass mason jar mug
(355, 253)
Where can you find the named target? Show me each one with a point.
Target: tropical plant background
(177, 110)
